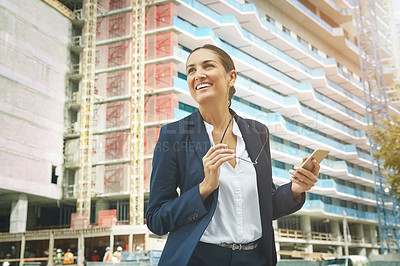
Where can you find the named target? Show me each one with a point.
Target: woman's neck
(218, 117)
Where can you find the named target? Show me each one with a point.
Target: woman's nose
(199, 75)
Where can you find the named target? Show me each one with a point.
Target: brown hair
(226, 61)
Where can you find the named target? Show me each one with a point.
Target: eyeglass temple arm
(262, 148)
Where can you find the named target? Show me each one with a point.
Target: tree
(387, 139)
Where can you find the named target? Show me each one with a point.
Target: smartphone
(318, 154)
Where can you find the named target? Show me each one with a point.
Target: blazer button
(195, 215)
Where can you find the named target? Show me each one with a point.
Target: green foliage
(387, 139)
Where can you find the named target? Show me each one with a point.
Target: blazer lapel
(198, 135)
(253, 145)
(250, 136)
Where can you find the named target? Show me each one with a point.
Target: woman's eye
(190, 70)
(208, 66)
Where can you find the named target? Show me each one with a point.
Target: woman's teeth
(204, 85)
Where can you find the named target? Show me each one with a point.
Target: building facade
(394, 92)
(298, 73)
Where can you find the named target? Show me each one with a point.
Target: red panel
(107, 218)
(116, 26)
(116, 4)
(151, 18)
(160, 75)
(150, 139)
(117, 83)
(114, 114)
(117, 54)
(160, 107)
(165, 43)
(113, 177)
(161, 45)
(98, 29)
(164, 75)
(165, 14)
(150, 47)
(165, 105)
(79, 221)
(150, 77)
(160, 16)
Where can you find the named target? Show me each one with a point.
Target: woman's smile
(203, 86)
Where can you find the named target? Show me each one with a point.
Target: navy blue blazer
(177, 163)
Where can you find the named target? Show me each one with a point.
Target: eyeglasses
(240, 158)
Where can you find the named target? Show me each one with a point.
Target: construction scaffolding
(113, 105)
(136, 212)
(86, 112)
(376, 110)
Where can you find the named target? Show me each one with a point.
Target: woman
(221, 164)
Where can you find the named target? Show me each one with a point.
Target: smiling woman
(228, 200)
(207, 65)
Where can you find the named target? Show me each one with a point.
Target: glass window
(327, 200)
(277, 139)
(270, 20)
(302, 41)
(350, 184)
(308, 150)
(313, 196)
(279, 164)
(289, 222)
(314, 49)
(54, 176)
(294, 145)
(285, 30)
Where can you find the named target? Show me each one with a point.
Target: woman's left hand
(302, 179)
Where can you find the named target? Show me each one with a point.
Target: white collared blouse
(237, 216)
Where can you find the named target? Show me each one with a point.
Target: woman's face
(207, 79)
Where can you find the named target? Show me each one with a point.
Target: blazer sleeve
(167, 211)
(282, 199)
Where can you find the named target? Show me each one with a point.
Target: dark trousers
(212, 255)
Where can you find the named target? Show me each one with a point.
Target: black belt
(234, 246)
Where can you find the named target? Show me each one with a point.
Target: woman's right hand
(212, 161)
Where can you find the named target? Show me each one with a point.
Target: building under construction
(87, 85)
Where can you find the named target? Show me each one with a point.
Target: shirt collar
(210, 128)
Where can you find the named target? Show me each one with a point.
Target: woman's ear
(232, 77)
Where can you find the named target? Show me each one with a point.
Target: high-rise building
(394, 91)
(70, 106)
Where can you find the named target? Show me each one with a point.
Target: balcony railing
(323, 236)
(324, 183)
(289, 233)
(78, 14)
(312, 15)
(77, 41)
(337, 210)
(317, 236)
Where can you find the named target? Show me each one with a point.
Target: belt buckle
(236, 246)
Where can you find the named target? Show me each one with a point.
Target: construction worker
(68, 257)
(117, 255)
(58, 259)
(6, 263)
(95, 256)
(108, 255)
